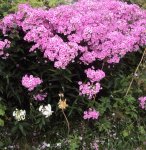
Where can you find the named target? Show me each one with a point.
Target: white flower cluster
(19, 114)
(46, 110)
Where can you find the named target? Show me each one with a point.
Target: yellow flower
(62, 104)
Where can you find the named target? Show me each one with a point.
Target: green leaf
(142, 130)
(125, 133)
(22, 130)
(1, 144)
(1, 123)
(2, 112)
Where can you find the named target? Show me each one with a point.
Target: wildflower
(45, 145)
(91, 114)
(88, 89)
(95, 146)
(142, 101)
(4, 44)
(62, 104)
(94, 75)
(80, 138)
(46, 110)
(58, 144)
(19, 114)
(31, 82)
(40, 96)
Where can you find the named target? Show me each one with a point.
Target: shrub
(70, 50)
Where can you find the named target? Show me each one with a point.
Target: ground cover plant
(78, 68)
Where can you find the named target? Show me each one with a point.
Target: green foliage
(53, 3)
(34, 3)
(9, 6)
(141, 3)
(74, 142)
(2, 113)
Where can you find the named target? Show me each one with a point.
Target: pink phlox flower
(142, 102)
(30, 82)
(94, 75)
(91, 114)
(40, 96)
(89, 89)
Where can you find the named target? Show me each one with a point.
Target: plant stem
(66, 121)
(135, 72)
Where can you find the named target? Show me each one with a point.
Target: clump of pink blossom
(142, 102)
(4, 44)
(95, 145)
(89, 89)
(94, 75)
(40, 96)
(92, 30)
(91, 114)
(30, 82)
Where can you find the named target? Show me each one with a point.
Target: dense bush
(74, 60)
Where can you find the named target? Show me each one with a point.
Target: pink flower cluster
(91, 114)
(108, 28)
(40, 96)
(89, 89)
(60, 52)
(94, 75)
(142, 102)
(4, 44)
(30, 82)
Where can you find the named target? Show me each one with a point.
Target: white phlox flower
(19, 114)
(46, 110)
